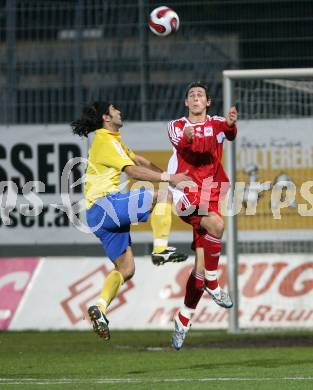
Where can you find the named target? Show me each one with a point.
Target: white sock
(187, 312)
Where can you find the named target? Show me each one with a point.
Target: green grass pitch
(144, 360)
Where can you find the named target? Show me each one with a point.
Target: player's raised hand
(232, 116)
(189, 132)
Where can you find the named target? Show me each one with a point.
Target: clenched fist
(232, 116)
(190, 133)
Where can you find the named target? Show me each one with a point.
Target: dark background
(57, 55)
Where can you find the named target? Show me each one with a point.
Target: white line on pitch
(35, 381)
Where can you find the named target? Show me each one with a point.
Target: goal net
(271, 166)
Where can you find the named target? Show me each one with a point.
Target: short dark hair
(199, 84)
(91, 118)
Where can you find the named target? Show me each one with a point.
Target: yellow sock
(161, 221)
(110, 288)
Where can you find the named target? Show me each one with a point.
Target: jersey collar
(105, 131)
(196, 123)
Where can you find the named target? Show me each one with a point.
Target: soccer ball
(163, 21)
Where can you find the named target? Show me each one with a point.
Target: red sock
(194, 290)
(184, 320)
(212, 249)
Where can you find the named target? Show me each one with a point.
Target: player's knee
(213, 225)
(126, 265)
(127, 271)
(219, 227)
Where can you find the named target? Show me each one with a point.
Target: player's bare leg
(124, 270)
(212, 243)
(213, 224)
(161, 220)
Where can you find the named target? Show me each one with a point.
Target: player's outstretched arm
(143, 162)
(142, 173)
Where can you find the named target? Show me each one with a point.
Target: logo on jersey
(220, 137)
(208, 131)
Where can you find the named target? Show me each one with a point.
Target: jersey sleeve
(220, 124)
(177, 136)
(112, 154)
(131, 154)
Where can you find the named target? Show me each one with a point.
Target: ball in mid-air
(163, 21)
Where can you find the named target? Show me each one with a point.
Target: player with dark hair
(198, 146)
(110, 212)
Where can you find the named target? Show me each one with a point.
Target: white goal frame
(232, 237)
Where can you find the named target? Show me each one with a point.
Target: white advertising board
(275, 291)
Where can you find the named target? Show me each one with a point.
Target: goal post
(266, 99)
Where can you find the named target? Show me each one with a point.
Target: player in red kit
(198, 147)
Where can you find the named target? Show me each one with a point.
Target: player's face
(115, 116)
(196, 101)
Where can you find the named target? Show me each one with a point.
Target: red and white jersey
(203, 157)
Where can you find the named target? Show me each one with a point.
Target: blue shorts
(110, 217)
